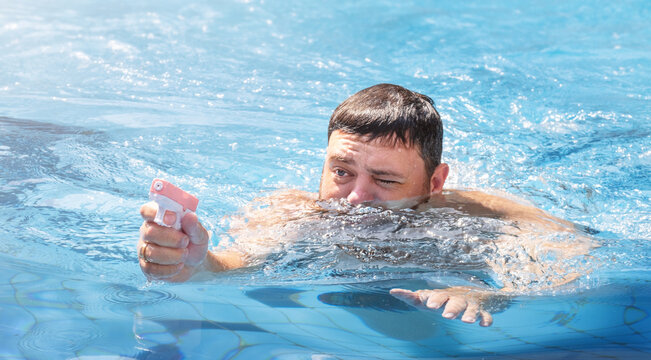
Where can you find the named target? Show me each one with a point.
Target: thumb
(192, 227)
(196, 254)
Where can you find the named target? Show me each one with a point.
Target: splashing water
(317, 241)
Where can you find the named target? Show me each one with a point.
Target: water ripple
(52, 339)
(122, 294)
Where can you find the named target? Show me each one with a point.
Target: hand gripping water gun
(172, 198)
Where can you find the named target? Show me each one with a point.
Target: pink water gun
(172, 198)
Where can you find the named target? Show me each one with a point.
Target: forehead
(382, 152)
(390, 142)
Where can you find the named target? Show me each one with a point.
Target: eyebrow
(377, 172)
(342, 158)
(381, 172)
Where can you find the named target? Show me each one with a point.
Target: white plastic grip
(171, 198)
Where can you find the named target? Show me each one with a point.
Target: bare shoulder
(274, 209)
(503, 206)
(283, 204)
(286, 197)
(261, 227)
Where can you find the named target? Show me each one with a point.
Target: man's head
(384, 143)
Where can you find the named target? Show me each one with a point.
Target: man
(384, 148)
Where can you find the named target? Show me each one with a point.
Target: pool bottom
(49, 316)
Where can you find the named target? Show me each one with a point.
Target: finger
(157, 271)
(149, 210)
(486, 318)
(406, 295)
(470, 315)
(455, 305)
(437, 299)
(169, 218)
(191, 226)
(164, 255)
(163, 236)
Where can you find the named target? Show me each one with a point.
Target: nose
(360, 193)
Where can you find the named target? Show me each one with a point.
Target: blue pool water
(547, 101)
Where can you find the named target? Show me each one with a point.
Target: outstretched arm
(523, 251)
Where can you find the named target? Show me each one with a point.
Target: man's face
(371, 171)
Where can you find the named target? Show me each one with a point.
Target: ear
(438, 178)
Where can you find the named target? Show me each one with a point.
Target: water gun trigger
(160, 215)
(171, 198)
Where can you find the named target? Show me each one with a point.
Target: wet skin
(379, 170)
(355, 169)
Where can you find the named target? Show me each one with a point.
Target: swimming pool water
(545, 101)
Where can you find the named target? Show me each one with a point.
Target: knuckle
(143, 227)
(148, 231)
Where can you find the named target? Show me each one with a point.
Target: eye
(340, 172)
(388, 182)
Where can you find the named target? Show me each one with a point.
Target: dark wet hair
(395, 113)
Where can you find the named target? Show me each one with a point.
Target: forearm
(224, 260)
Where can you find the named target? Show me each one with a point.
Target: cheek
(329, 189)
(382, 194)
(406, 192)
(420, 188)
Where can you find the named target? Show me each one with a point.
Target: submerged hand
(169, 254)
(471, 301)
